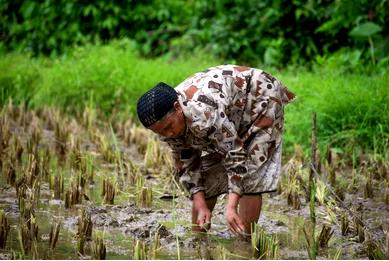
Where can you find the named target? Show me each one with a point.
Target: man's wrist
(233, 200)
(199, 199)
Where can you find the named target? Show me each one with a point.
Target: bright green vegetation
(272, 32)
(352, 107)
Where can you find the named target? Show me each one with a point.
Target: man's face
(172, 125)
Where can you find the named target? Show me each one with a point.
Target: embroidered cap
(155, 103)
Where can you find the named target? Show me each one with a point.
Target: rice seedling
(73, 195)
(137, 137)
(139, 250)
(108, 192)
(312, 243)
(17, 149)
(340, 189)
(325, 236)
(375, 250)
(155, 246)
(54, 233)
(221, 252)
(336, 255)
(344, 223)
(264, 246)
(354, 185)
(132, 171)
(99, 251)
(368, 192)
(89, 117)
(144, 195)
(125, 131)
(75, 153)
(58, 185)
(84, 232)
(85, 224)
(87, 167)
(332, 176)
(21, 120)
(44, 163)
(321, 192)
(31, 172)
(152, 158)
(61, 133)
(105, 148)
(81, 181)
(35, 131)
(28, 235)
(5, 136)
(81, 246)
(4, 229)
(359, 226)
(9, 170)
(292, 188)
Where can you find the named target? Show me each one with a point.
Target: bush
(276, 33)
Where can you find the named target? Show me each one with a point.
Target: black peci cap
(155, 103)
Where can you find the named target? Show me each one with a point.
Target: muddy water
(124, 222)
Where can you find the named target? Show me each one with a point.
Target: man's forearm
(233, 200)
(199, 199)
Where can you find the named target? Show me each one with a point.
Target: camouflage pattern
(234, 124)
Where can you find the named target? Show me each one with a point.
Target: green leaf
(365, 30)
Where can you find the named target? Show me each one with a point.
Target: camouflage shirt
(224, 107)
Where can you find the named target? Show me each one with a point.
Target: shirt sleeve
(187, 163)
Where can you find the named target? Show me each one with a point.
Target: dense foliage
(352, 108)
(273, 32)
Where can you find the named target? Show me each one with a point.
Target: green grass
(352, 108)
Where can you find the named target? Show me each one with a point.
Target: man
(224, 126)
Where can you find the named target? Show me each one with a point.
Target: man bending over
(224, 126)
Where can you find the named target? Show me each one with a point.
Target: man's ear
(177, 105)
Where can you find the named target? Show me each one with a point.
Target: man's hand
(234, 221)
(203, 219)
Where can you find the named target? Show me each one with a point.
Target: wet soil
(169, 216)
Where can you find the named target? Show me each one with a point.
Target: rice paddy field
(80, 179)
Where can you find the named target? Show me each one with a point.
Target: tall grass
(112, 76)
(352, 108)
